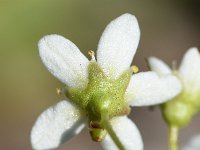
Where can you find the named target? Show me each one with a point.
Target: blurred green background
(168, 29)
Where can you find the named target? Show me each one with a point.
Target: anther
(135, 69)
(94, 124)
(59, 91)
(91, 53)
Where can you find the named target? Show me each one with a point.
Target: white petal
(193, 143)
(118, 45)
(190, 69)
(56, 125)
(127, 133)
(148, 88)
(64, 60)
(159, 66)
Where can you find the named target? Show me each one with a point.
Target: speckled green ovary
(179, 111)
(102, 99)
(102, 95)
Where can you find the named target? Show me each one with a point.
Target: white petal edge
(190, 69)
(192, 144)
(127, 132)
(148, 88)
(159, 66)
(56, 125)
(64, 60)
(118, 44)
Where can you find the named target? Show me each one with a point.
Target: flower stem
(108, 127)
(173, 138)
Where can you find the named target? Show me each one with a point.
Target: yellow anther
(91, 53)
(135, 69)
(58, 91)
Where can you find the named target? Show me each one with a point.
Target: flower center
(103, 97)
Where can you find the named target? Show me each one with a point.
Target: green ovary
(180, 110)
(103, 97)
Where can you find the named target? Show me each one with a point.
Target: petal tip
(194, 50)
(129, 19)
(158, 66)
(49, 37)
(151, 59)
(128, 16)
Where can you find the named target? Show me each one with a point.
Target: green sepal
(102, 93)
(102, 96)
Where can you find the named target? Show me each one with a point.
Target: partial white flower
(115, 52)
(180, 110)
(188, 73)
(192, 144)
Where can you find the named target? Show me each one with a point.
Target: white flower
(192, 144)
(182, 108)
(115, 52)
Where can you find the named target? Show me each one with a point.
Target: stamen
(135, 69)
(59, 91)
(91, 53)
(174, 65)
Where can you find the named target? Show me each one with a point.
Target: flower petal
(64, 60)
(159, 66)
(56, 125)
(193, 143)
(127, 133)
(118, 45)
(190, 69)
(148, 88)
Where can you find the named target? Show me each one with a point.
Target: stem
(112, 134)
(173, 138)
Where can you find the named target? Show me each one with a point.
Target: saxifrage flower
(179, 111)
(99, 90)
